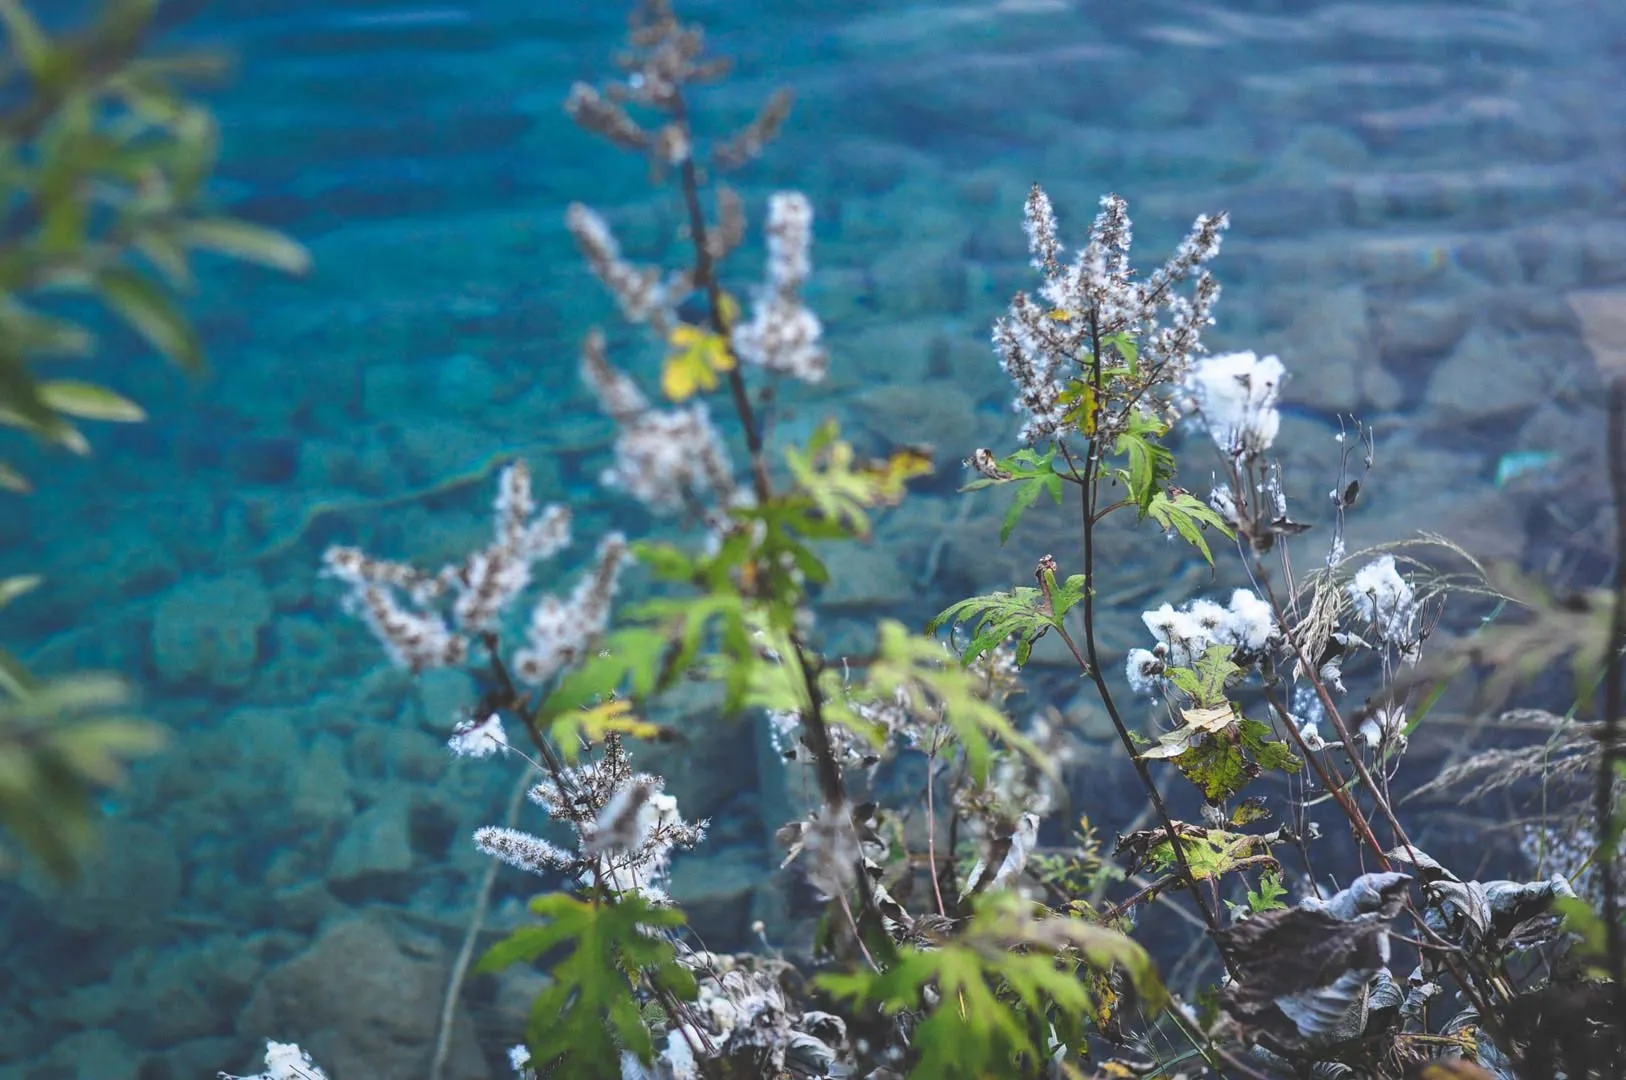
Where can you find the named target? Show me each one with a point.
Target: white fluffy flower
(1250, 621)
(1383, 600)
(1235, 394)
(1144, 671)
(284, 1061)
(1386, 725)
(479, 738)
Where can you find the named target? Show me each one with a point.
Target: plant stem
(831, 786)
(1090, 658)
(1610, 751)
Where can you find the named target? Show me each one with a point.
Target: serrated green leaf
(588, 1013)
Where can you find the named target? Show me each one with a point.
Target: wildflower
(664, 458)
(1097, 295)
(284, 1061)
(478, 739)
(492, 578)
(1223, 503)
(1144, 670)
(1386, 726)
(639, 291)
(1235, 394)
(783, 335)
(1383, 600)
(560, 632)
(522, 850)
(481, 587)
(1250, 622)
(626, 820)
(618, 395)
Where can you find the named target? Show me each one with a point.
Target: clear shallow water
(1415, 192)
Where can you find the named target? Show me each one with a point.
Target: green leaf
(247, 242)
(1187, 515)
(18, 585)
(920, 670)
(14, 481)
(589, 1011)
(27, 40)
(86, 401)
(1268, 897)
(1151, 465)
(153, 315)
(1001, 984)
(994, 618)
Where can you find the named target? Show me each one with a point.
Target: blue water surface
(1419, 194)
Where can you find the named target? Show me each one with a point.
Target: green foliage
(103, 165)
(1222, 763)
(935, 685)
(1151, 465)
(1034, 474)
(60, 742)
(1205, 684)
(842, 488)
(1001, 983)
(1210, 853)
(1268, 897)
(1187, 515)
(1025, 613)
(589, 1013)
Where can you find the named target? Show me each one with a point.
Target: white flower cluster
(1235, 395)
(1041, 345)
(664, 458)
(417, 633)
(1183, 636)
(284, 1061)
(1385, 602)
(561, 630)
(783, 335)
(626, 827)
(640, 292)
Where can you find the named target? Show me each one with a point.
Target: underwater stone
(378, 844)
(208, 630)
(363, 1006)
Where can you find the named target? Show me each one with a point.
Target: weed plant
(958, 949)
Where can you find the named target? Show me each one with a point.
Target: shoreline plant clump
(966, 952)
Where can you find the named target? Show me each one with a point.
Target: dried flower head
(1235, 395)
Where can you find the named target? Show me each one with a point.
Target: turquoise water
(1417, 194)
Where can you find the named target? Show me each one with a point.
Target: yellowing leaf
(592, 724)
(88, 401)
(1214, 719)
(696, 356)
